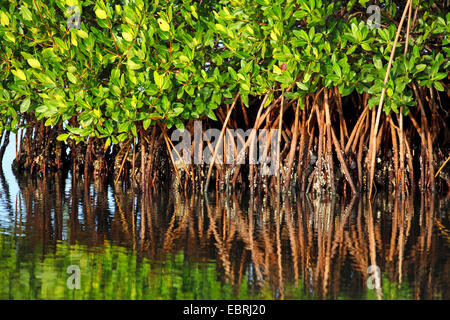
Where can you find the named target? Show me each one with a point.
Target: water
(172, 246)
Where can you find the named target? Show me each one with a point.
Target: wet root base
(325, 145)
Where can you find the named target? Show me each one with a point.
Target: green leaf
(366, 46)
(300, 14)
(61, 44)
(240, 76)
(389, 92)
(163, 25)
(34, 63)
(49, 122)
(20, 74)
(71, 77)
(276, 69)
(211, 115)
(244, 98)
(25, 105)
(10, 37)
(100, 13)
(438, 86)
(373, 101)
(146, 123)
(245, 86)
(232, 73)
(377, 63)
(441, 76)
(302, 86)
(83, 34)
(221, 28)
(420, 67)
(63, 137)
(128, 37)
(337, 70)
(4, 19)
(26, 14)
(134, 129)
(132, 65)
(158, 79)
(107, 143)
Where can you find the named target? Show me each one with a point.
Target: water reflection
(174, 246)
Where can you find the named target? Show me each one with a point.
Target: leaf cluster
(134, 62)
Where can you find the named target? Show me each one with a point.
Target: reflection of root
(444, 232)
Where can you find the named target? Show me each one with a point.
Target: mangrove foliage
(359, 97)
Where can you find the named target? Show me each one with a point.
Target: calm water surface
(170, 246)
